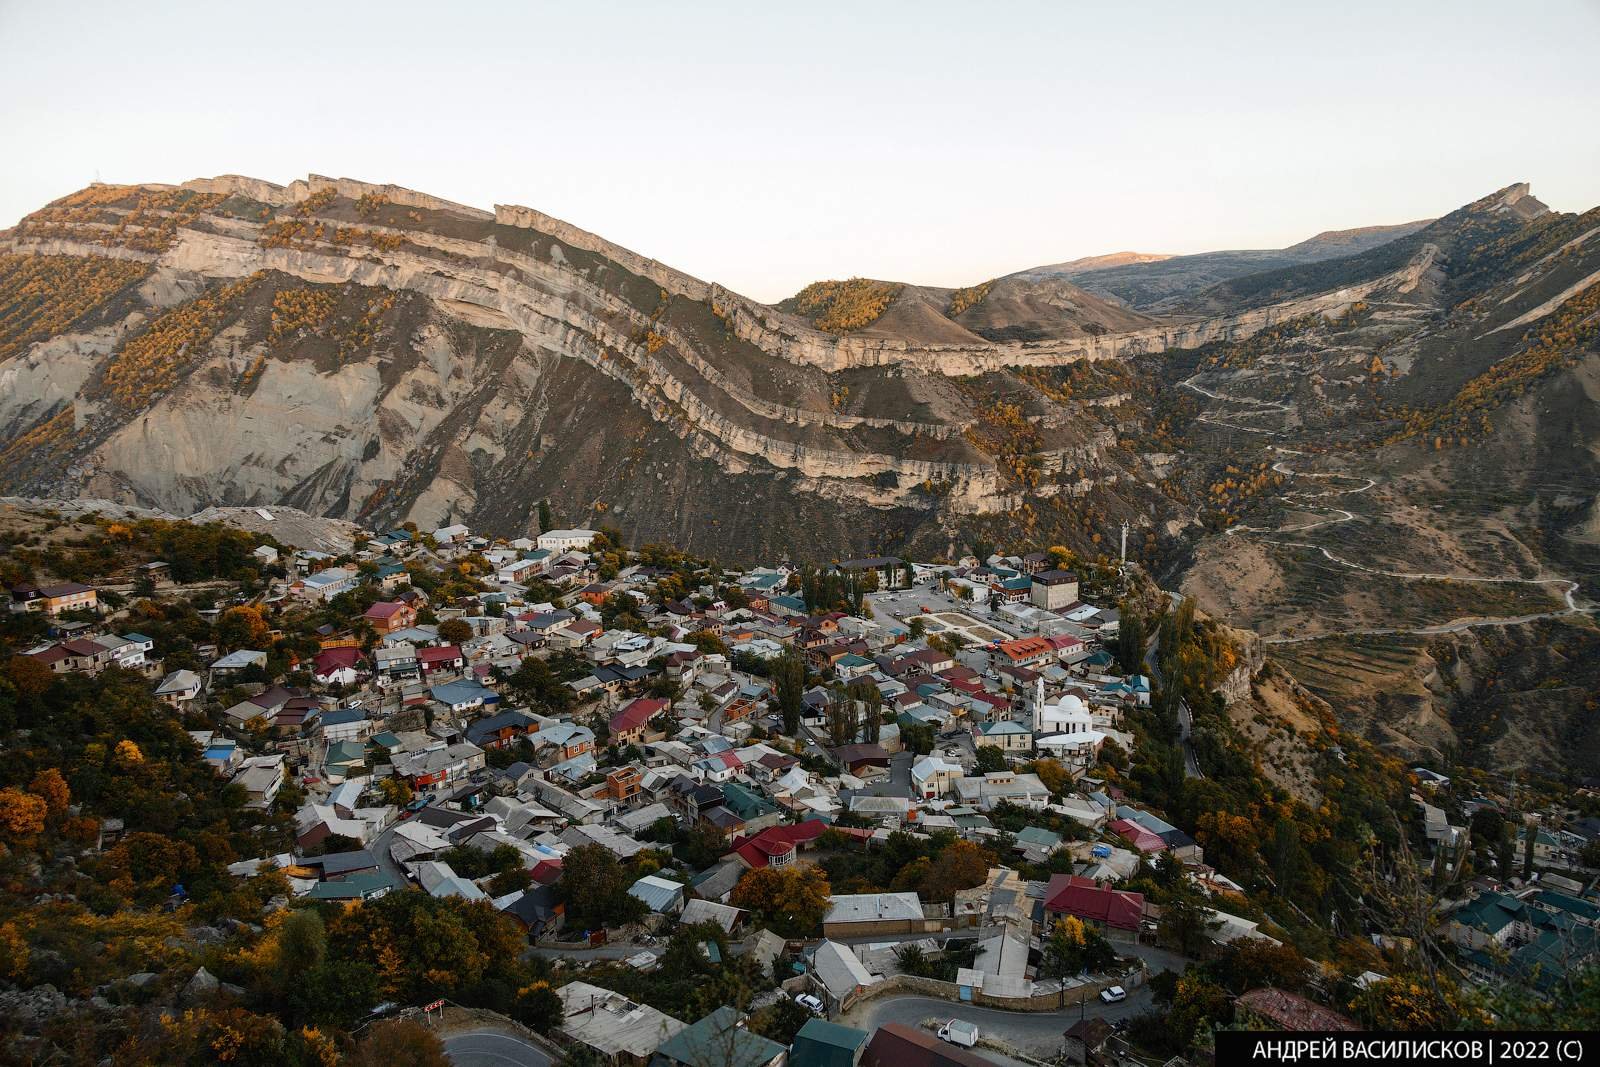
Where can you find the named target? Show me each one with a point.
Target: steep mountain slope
(1385, 461)
(1415, 483)
(374, 353)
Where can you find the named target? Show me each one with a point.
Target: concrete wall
(1047, 995)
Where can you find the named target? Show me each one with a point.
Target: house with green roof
(823, 1044)
(749, 806)
(343, 759)
(720, 1040)
(1037, 843)
(1535, 940)
(1006, 734)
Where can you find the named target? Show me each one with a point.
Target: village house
(178, 688)
(54, 600)
(1115, 912)
(628, 725)
(387, 616)
(433, 766)
(559, 541)
(337, 666)
(326, 584)
(1053, 590)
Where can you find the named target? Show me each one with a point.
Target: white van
(959, 1033)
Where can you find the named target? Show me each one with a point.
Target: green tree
(1130, 639)
(991, 758)
(546, 522)
(594, 888)
(789, 684)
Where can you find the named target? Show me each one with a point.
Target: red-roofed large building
(1026, 651)
(777, 846)
(627, 725)
(1115, 911)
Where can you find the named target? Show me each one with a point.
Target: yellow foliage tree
(22, 814)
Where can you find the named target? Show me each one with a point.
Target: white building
(566, 540)
(1065, 729)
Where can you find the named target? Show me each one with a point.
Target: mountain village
(710, 736)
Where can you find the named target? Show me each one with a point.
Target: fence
(1047, 996)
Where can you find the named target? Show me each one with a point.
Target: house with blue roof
(464, 695)
(1005, 734)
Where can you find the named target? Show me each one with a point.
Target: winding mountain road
(1303, 500)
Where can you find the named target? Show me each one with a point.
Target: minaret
(1038, 702)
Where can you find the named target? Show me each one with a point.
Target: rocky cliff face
(373, 353)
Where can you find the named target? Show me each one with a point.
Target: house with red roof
(628, 724)
(1115, 911)
(440, 658)
(1143, 840)
(338, 666)
(387, 616)
(1026, 651)
(778, 846)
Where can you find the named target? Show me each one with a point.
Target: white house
(566, 540)
(933, 777)
(327, 583)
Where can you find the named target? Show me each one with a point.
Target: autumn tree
(962, 865)
(455, 631)
(1051, 772)
(22, 815)
(1252, 962)
(400, 1043)
(538, 1006)
(791, 901)
(242, 626)
(31, 677)
(49, 786)
(396, 791)
(864, 694)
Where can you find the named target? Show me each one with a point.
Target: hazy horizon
(767, 149)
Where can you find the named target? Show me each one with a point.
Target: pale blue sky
(763, 148)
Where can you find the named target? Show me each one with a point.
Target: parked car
(958, 1032)
(812, 1004)
(1114, 994)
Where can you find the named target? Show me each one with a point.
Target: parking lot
(943, 613)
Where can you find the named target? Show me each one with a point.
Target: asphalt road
(1036, 1033)
(490, 1048)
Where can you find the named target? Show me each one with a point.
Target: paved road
(490, 1048)
(1036, 1033)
